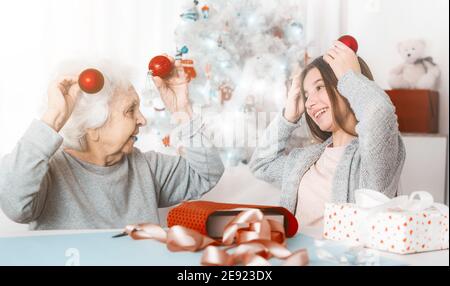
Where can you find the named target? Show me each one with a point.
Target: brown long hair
(330, 82)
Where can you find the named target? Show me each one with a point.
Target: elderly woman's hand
(62, 97)
(174, 92)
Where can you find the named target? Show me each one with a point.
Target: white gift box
(402, 225)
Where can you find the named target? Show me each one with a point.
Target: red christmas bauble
(350, 42)
(160, 66)
(91, 81)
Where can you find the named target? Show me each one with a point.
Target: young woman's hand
(294, 106)
(62, 97)
(342, 59)
(174, 90)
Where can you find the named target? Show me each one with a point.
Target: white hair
(92, 110)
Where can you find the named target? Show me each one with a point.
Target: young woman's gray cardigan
(374, 160)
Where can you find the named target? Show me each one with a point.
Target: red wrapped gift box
(194, 215)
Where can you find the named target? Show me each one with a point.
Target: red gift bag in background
(417, 110)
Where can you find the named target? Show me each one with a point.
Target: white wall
(380, 28)
(378, 33)
(36, 36)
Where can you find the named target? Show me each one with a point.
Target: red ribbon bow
(253, 238)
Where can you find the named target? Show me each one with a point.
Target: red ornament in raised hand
(350, 42)
(160, 66)
(91, 81)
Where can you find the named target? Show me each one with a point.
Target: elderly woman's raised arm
(24, 176)
(24, 173)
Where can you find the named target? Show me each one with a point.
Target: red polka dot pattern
(393, 231)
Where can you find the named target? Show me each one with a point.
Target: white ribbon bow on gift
(370, 203)
(374, 202)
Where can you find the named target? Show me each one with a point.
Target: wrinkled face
(411, 50)
(120, 132)
(318, 105)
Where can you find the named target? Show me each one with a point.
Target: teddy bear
(417, 71)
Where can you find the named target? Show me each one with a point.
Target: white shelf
(425, 166)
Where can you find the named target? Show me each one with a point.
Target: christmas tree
(240, 55)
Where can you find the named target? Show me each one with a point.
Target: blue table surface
(94, 249)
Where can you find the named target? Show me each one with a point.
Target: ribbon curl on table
(254, 239)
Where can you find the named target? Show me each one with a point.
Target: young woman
(355, 122)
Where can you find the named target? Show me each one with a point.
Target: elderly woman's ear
(62, 97)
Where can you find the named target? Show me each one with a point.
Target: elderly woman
(98, 179)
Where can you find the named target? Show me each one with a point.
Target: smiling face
(318, 105)
(327, 112)
(118, 135)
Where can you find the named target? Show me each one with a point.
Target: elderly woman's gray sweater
(42, 185)
(374, 160)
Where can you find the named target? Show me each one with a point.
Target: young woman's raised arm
(268, 160)
(382, 150)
